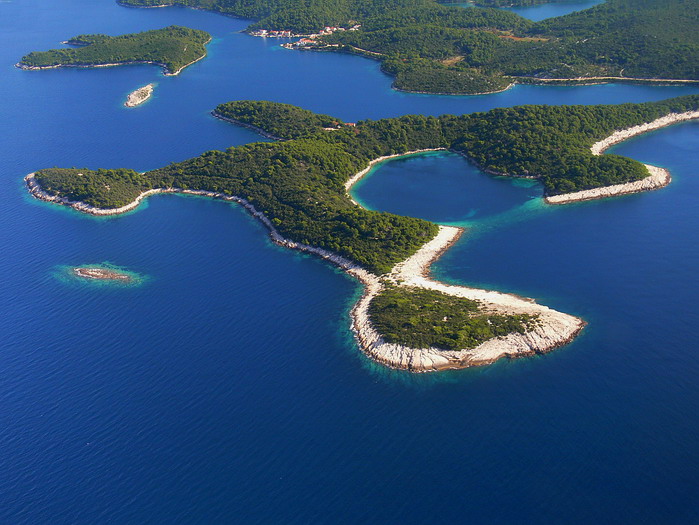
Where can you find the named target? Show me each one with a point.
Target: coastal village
(306, 41)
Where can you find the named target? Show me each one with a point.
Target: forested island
(298, 188)
(434, 48)
(173, 48)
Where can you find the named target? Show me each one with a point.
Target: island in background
(432, 48)
(173, 48)
(298, 188)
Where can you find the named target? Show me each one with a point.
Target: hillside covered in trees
(299, 183)
(172, 47)
(437, 48)
(421, 318)
(279, 120)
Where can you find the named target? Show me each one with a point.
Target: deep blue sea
(227, 387)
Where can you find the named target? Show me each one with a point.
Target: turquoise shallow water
(227, 387)
(442, 187)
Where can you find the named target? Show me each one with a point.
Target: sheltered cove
(553, 328)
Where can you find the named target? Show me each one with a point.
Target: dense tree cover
(635, 38)
(101, 188)
(428, 76)
(553, 143)
(642, 38)
(420, 318)
(480, 41)
(280, 120)
(312, 15)
(302, 16)
(631, 38)
(299, 184)
(173, 47)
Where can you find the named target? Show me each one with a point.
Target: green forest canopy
(420, 318)
(173, 47)
(438, 48)
(299, 184)
(279, 120)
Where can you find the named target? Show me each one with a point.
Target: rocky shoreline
(589, 81)
(100, 274)
(620, 136)
(357, 176)
(166, 70)
(138, 97)
(510, 86)
(257, 130)
(657, 178)
(554, 330)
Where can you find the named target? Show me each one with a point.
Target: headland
(173, 48)
(300, 192)
(657, 177)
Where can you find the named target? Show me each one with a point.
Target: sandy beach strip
(358, 176)
(553, 328)
(658, 178)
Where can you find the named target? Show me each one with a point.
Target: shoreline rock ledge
(139, 96)
(657, 177)
(554, 329)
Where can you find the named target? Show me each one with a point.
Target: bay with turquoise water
(227, 388)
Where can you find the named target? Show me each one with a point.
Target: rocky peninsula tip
(552, 330)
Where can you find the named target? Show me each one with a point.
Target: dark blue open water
(227, 388)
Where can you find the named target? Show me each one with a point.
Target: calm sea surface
(227, 387)
(543, 11)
